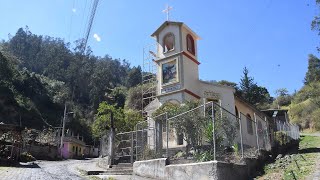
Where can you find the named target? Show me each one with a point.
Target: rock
(279, 156)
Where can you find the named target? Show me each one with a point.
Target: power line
(83, 19)
(92, 15)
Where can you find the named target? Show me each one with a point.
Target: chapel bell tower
(177, 63)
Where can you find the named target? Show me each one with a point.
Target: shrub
(26, 157)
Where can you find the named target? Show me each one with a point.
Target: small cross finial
(167, 11)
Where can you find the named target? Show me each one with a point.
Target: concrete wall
(190, 75)
(153, 169)
(250, 140)
(224, 93)
(43, 152)
(158, 169)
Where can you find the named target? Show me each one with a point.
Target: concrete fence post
(131, 153)
(241, 138)
(213, 132)
(137, 130)
(257, 136)
(167, 135)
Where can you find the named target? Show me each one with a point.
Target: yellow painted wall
(75, 145)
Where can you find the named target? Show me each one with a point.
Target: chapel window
(179, 139)
(190, 44)
(168, 42)
(249, 124)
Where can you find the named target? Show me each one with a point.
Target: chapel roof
(166, 23)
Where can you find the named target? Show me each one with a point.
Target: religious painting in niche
(168, 42)
(169, 72)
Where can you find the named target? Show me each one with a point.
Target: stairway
(119, 169)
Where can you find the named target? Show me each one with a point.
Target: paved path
(45, 170)
(316, 174)
(311, 134)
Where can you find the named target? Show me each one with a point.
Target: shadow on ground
(27, 165)
(308, 150)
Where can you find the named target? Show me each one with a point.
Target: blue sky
(272, 38)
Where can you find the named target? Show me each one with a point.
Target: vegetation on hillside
(40, 73)
(295, 165)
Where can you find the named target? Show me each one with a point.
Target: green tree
(102, 121)
(124, 120)
(250, 91)
(283, 98)
(134, 77)
(313, 73)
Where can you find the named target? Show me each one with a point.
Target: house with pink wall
(72, 148)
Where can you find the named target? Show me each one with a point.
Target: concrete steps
(119, 169)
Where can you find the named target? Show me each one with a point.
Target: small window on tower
(190, 44)
(168, 42)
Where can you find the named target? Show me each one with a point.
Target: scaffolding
(149, 88)
(149, 77)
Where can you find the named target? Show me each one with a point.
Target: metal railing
(206, 132)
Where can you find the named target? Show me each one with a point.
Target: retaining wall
(159, 169)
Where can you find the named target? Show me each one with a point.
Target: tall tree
(251, 92)
(134, 77)
(313, 73)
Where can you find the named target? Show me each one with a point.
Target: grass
(298, 165)
(310, 131)
(94, 178)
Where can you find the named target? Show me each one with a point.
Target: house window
(168, 42)
(249, 124)
(190, 44)
(79, 149)
(72, 148)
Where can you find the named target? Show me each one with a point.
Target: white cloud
(97, 37)
(74, 10)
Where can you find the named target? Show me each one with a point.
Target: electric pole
(63, 127)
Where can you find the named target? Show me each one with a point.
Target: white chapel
(178, 72)
(178, 79)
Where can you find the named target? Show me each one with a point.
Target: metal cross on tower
(167, 11)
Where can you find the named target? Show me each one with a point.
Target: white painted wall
(184, 33)
(190, 75)
(226, 95)
(173, 28)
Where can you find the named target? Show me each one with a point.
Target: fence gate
(125, 147)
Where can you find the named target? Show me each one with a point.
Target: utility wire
(92, 15)
(81, 31)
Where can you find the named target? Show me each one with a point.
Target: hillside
(40, 73)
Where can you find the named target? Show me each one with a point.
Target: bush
(281, 138)
(204, 156)
(26, 157)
